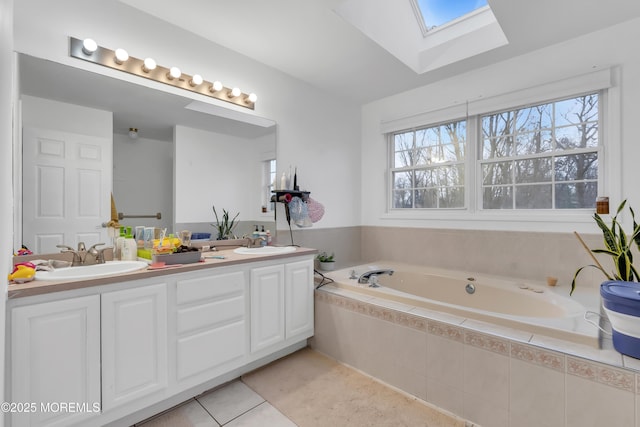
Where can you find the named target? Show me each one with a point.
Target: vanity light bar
(119, 60)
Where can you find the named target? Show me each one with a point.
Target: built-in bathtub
(520, 304)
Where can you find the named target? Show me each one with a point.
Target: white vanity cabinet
(126, 350)
(267, 306)
(134, 344)
(281, 304)
(299, 289)
(55, 360)
(211, 327)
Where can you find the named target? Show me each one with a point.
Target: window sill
(512, 220)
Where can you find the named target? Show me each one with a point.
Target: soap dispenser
(130, 247)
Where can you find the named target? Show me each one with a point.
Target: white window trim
(609, 154)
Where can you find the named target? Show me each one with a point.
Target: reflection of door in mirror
(66, 184)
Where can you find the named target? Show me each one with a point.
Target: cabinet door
(134, 344)
(210, 325)
(267, 306)
(299, 299)
(55, 359)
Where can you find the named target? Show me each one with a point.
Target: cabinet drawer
(211, 313)
(209, 287)
(207, 350)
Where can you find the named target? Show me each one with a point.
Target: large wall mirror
(222, 158)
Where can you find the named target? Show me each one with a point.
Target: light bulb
(174, 73)
(121, 56)
(216, 86)
(235, 92)
(148, 65)
(252, 97)
(196, 80)
(89, 46)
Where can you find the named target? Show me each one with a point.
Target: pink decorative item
(316, 210)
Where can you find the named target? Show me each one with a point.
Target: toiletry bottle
(263, 237)
(269, 241)
(130, 247)
(119, 244)
(256, 233)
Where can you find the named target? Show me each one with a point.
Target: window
(268, 178)
(428, 167)
(436, 13)
(541, 157)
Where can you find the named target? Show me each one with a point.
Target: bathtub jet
(364, 277)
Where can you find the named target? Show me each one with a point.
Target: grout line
(246, 412)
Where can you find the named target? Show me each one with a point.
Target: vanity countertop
(39, 287)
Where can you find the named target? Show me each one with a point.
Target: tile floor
(234, 405)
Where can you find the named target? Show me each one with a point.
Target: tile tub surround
(344, 242)
(526, 255)
(487, 374)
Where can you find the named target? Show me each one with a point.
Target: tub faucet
(364, 277)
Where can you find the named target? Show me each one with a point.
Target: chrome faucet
(94, 255)
(255, 242)
(82, 256)
(364, 277)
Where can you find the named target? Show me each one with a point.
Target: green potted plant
(618, 246)
(620, 294)
(226, 226)
(326, 262)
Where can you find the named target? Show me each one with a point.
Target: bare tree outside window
(541, 157)
(428, 167)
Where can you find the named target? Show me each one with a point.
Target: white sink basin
(91, 271)
(265, 250)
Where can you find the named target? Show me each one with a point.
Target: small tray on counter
(178, 258)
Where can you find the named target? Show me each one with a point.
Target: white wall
(143, 180)
(615, 46)
(316, 132)
(60, 116)
(6, 139)
(213, 169)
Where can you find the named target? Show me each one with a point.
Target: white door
(134, 345)
(67, 181)
(55, 359)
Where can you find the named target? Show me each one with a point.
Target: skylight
(436, 13)
(463, 29)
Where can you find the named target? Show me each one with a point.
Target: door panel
(67, 181)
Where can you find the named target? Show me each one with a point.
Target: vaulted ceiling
(310, 40)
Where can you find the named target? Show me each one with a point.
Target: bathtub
(520, 304)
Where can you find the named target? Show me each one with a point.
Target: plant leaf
(575, 276)
(607, 233)
(623, 265)
(605, 251)
(635, 276)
